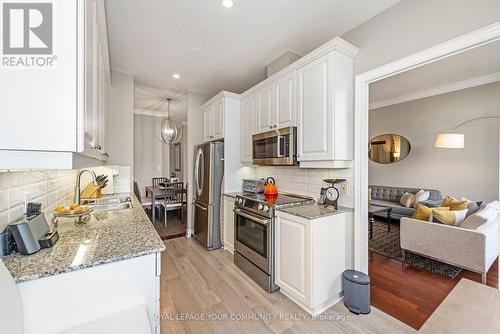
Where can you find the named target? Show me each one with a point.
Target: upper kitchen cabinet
(213, 120)
(53, 84)
(276, 103)
(97, 81)
(248, 120)
(325, 106)
(284, 92)
(265, 108)
(217, 113)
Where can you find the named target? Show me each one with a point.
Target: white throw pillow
(421, 196)
(479, 218)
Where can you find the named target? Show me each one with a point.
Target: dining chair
(145, 201)
(157, 180)
(174, 199)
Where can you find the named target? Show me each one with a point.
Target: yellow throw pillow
(453, 218)
(455, 204)
(424, 213)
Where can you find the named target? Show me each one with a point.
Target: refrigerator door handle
(199, 206)
(199, 172)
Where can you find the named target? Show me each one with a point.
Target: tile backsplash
(48, 187)
(305, 181)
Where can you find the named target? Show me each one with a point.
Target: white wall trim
(463, 43)
(452, 87)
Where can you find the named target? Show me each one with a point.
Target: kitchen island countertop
(108, 237)
(314, 211)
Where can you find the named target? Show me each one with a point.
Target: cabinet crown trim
(221, 95)
(335, 44)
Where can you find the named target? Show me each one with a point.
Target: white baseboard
(228, 247)
(318, 309)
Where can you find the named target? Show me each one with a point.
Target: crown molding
(453, 87)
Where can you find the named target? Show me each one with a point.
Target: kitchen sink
(109, 204)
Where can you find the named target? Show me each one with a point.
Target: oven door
(252, 238)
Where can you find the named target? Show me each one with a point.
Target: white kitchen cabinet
(284, 93)
(213, 118)
(216, 111)
(102, 294)
(315, 94)
(97, 82)
(207, 123)
(52, 111)
(311, 256)
(325, 108)
(276, 103)
(247, 128)
(229, 223)
(218, 119)
(265, 108)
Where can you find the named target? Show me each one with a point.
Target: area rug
(175, 226)
(387, 244)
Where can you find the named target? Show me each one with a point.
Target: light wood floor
(196, 283)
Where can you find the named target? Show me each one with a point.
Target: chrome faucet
(76, 198)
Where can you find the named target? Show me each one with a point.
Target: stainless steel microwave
(275, 148)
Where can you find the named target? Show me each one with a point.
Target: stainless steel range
(254, 217)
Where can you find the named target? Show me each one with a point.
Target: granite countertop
(314, 211)
(109, 236)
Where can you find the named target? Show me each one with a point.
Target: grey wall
(180, 174)
(193, 138)
(471, 172)
(120, 122)
(151, 157)
(414, 25)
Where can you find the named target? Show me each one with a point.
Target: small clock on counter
(330, 195)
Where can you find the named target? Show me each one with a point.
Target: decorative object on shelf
(388, 148)
(456, 140)
(330, 195)
(168, 131)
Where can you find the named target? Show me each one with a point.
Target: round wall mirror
(388, 148)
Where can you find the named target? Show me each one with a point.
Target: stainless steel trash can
(356, 291)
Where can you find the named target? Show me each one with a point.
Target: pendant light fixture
(168, 131)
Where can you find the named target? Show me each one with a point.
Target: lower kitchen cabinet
(55, 303)
(311, 256)
(229, 223)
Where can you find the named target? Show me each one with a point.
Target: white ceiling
(473, 64)
(154, 39)
(152, 100)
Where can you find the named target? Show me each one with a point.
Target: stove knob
(260, 207)
(240, 201)
(266, 208)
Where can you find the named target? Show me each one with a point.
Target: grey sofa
(388, 196)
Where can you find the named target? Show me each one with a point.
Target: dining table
(155, 192)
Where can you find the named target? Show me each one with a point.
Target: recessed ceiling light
(228, 3)
(176, 76)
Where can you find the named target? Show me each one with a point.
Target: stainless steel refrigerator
(208, 173)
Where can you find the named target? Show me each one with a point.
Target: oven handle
(251, 217)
